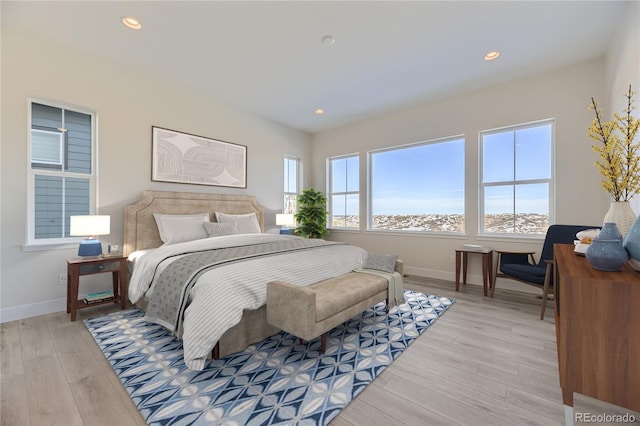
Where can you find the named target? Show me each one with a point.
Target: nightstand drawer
(94, 268)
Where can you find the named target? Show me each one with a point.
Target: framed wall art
(184, 158)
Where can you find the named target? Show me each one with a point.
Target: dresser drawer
(94, 268)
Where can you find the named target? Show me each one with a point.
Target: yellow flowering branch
(619, 162)
(629, 126)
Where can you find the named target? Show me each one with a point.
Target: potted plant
(312, 214)
(619, 161)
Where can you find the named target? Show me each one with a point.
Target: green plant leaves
(312, 214)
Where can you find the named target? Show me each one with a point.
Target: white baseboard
(32, 310)
(475, 279)
(57, 305)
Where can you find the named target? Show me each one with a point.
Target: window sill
(396, 233)
(428, 234)
(49, 246)
(530, 239)
(345, 230)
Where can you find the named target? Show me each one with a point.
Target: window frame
(298, 183)
(330, 193)
(61, 144)
(62, 242)
(460, 137)
(551, 181)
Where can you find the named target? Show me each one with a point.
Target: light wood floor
(484, 362)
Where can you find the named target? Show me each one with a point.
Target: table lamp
(89, 226)
(285, 220)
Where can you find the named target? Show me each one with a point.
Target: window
(344, 195)
(291, 185)
(61, 170)
(418, 187)
(516, 179)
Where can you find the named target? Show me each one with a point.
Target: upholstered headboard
(141, 231)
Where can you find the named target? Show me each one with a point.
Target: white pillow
(178, 228)
(219, 229)
(247, 223)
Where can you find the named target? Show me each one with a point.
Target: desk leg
(68, 289)
(465, 258)
(494, 275)
(458, 270)
(123, 285)
(73, 281)
(114, 281)
(490, 268)
(485, 272)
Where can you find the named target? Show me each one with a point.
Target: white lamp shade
(285, 219)
(90, 225)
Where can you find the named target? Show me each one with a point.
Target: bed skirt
(252, 328)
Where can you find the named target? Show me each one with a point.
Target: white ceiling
(267, 57)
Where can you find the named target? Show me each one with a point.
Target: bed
(204, 310)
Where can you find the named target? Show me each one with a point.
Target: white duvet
(217, 300)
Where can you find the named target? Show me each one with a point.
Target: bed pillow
(178, 228)
(214, 229)
(381, 262)
(246, 223)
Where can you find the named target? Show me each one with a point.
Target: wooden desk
(487, 260)
(597, 331)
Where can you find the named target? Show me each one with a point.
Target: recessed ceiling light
(491, 55)
(328, 40)
(131, 22)
(319, 111)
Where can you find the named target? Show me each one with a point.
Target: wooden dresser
(597, 331)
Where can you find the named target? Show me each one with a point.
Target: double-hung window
(418, 187)
(291, 185)
(62, 177)
(344, 191)
(516, 182)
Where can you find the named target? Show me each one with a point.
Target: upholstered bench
(312, 310)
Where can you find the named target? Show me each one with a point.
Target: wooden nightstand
(77, 267)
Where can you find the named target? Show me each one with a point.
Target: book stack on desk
(98, 297)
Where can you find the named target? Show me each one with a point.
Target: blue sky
(420, 179)
(429, 178)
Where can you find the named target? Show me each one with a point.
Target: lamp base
(90, 247)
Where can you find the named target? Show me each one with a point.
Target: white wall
(562, 94)
(127, 106)
(623, 69)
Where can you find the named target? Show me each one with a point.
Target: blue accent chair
(522, 266)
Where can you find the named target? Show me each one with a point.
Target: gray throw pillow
(215, 229)
(381, 262)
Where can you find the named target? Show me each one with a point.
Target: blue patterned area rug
(276, 381)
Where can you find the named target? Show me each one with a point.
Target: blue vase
(606, 255)
(610, 231)
(631, 243)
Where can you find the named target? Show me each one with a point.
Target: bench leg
(323, 342)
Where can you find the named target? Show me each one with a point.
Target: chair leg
(545, 289)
